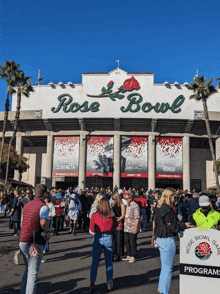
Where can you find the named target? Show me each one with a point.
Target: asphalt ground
(67, 269)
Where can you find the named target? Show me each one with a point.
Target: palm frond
(209, 82)
(195, 96)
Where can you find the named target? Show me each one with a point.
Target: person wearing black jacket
(166, 228)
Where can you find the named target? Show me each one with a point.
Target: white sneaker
(43, 260)
(16, 257)
(132, 260)
(127, 258)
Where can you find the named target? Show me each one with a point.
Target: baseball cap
(204, 201)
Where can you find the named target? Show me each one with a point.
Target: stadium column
(217, 149)
(49, 159)
(82, 162)
(152, 163)
(117, 160)
(19, 148)
(186, 162)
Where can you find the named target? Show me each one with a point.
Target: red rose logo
(131, 84)
(110, 84)
(204, 248)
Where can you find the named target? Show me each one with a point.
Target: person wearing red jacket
(59, 207)
(142, 202)
(103, 223)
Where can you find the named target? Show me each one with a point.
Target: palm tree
(24, 87)
(202, 92)
(7, 72)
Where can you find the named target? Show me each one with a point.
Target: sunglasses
(28, 193)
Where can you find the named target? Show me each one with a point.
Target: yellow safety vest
(209, 221)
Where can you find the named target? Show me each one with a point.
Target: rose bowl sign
(199, 261)
(133, 104)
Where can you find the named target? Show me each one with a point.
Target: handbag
(34, 250)
(120, 226)
(10, 223)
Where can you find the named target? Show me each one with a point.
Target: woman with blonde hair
(166, 228)
(94, 207)
(118, 208)
(103, 223)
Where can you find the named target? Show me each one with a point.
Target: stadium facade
(116, 128)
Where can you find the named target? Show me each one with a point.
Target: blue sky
(64, 39)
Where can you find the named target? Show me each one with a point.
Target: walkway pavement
(68, 263)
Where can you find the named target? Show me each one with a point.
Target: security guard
(205, 216)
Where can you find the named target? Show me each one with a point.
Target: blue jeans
(46, 246)
(144, 221)
(4, 208)
(167, 249)
(29, 280)
(16, 227)
(100, 241)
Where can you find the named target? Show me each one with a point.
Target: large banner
(100, 156)
(133, 157)
(66, 156)
(169, 158)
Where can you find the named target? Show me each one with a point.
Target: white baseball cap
(204, 201)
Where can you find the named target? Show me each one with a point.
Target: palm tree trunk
(14, 133)
(7, 167)
(4, 128)
(210, 141)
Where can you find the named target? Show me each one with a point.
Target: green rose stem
(104, 95)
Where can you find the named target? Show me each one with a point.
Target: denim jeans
(144, 220)
(16, 227)
(4, 208)
(167, 249)
(29, 280)
(100, 241)
(46, 246)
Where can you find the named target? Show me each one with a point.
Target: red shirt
(102, 225)
(57, 205)
(141, 201)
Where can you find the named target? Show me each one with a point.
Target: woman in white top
(50, 219)
(74, 208)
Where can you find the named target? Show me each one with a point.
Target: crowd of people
(114, 217)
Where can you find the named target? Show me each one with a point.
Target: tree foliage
(17, 162)
(218, 165)
(202, 91)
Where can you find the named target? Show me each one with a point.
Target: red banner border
(134, 175)
(169, 176)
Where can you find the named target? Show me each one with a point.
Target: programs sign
(199, 261)
(66, 156)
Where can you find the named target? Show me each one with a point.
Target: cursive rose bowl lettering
(67, 106)
(135, 105)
